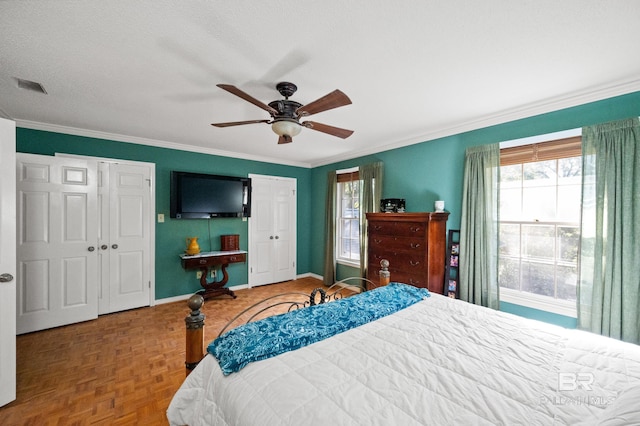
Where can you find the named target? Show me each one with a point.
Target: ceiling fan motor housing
(286, 109)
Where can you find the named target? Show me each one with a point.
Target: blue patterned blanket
(286, 332)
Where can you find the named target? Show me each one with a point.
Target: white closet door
(284, 225)
(261, 254)
(129, 237)
(7, 262)
(56, 241)
(126, 234)
(272, 230)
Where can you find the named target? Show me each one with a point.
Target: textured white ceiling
(146, 71)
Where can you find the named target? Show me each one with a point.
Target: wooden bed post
(385, 275)
(195, 333)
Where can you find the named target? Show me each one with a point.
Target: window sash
(538, 152)
(352, 256)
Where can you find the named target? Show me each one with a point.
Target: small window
(348, 219)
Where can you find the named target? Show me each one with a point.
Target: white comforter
(441, 361)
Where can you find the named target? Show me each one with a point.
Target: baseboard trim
(310, 275)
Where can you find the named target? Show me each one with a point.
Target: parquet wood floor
(121, 369)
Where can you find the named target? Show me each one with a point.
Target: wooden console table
(213, 259)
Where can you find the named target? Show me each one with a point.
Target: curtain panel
(479, 226)
(329, 274)
(609, 285)
(371, 176)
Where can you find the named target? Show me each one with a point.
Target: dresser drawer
(417, 280)
(400, 229)
(404, 244)
(413, 279)
(399, 261)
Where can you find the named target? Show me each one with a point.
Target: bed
(437, 361)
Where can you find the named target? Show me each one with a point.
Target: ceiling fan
(286, 114)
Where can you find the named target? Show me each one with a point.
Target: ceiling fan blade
(325, 128)
(334, 99)
(239, 123)
(285, 139)
(233, 89)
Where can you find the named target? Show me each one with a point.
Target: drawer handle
(377, 241)
(415, 228)
(414, 262)
(377, 227)
(202, 261)
(232, 258)
(415, 245)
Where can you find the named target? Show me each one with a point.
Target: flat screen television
(205, 196)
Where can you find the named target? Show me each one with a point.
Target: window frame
(542, 148)
(347, 175)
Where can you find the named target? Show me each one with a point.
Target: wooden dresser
(413, 243)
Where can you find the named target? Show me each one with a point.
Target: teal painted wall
(171, 279)
(433, 170)
(346, 271)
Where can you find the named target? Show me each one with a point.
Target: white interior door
(284, 225)
(126, 233)
(7, 262)
(128, 242)
(272, 230)
(261, 252)
(56, 241)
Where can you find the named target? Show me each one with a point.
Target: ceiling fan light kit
(286, 127)
(286, 114)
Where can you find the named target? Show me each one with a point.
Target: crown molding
(593, 94)
(34, 125)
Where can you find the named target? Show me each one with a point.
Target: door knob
(104, 247)
(92, 248)
(271, 237)
(5, 278)
(277, 237)
(114, 246)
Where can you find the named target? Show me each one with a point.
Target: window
(540, 196)
(348, 218)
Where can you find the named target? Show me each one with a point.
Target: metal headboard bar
(273, 305)
(335, 292)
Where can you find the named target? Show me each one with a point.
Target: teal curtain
(329, 275)
(371, 176)
(609, 286)
(479, 226)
